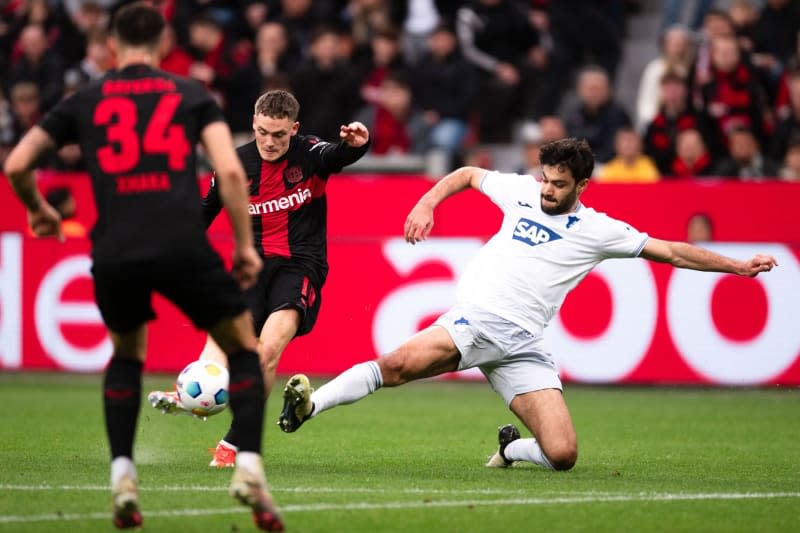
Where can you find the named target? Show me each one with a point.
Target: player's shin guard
(247, 399)
(122, 391)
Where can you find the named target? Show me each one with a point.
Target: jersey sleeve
(212, 204)
(61, 123)
(506, 189)
(619, 239)
(208, 111)
(333, 157)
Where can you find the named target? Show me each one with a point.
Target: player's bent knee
(563, 457)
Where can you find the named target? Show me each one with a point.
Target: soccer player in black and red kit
(137, 128)
(287, 174)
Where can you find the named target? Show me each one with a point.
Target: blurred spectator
(553, 128)
(533, 135)
(444, 88)
(629, 165)
(790, 171)
(326, 87)
(716, 22)
(300, 18)
(498, 38)
(746, 161)
(26, 108)
(95, 64)
(532, 140)
(787, 130)
(674, 115)
(775, 31)
(207, 45)
(676, 56)
(174, 58)
(744, 14)
(692, 157)
(87, 18)
(7, 132)
(672, 12)
(385, 55)
(596, 117)
(366, 17)
(63, 201)
(732, 97)
(39, 65)
(420, 22)
(699, 229)
(395, 126)
(583, 33)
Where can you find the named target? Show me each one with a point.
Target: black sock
(247, 400)
(231, 437)
(122, 391)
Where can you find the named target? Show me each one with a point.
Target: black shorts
(284, 284)
(194, 280)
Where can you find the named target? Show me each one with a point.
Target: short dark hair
(138, 24)
(278, 104)
(574, 154)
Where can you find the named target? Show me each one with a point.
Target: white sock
(250, 461)
(226, 444)
(350, 386)
(527, 450)
(122, 466)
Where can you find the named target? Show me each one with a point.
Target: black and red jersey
(287, 205)
(137, 129)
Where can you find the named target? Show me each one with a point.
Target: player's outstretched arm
(685, 255)
(419, 222)
(43, 219)
(232, 183)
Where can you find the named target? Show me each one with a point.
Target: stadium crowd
(450, 76)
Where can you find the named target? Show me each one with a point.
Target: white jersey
(527, 268)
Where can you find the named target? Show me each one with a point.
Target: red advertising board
(630, 321)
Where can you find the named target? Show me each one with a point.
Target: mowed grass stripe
(367, 506)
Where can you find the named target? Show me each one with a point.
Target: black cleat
(505, 436)
(297, 406)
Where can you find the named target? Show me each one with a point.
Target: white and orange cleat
(125, 498)
(167, 402)
(249, 487)
(224, 455)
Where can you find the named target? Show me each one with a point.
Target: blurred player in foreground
(137, 128)
(287, 175)
(548, 242)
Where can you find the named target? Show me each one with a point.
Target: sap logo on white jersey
(532, 233)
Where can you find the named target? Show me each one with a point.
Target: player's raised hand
(419, 223)
(759, 263)
(46, 222)
(246, 266)
(355, 134)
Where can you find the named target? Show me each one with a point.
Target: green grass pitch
(411, 459)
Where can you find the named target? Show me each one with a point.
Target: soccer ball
(203, 388)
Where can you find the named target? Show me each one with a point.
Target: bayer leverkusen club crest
(293, 174)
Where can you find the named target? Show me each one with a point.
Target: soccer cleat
(297, 404)
(224, 455)
(125, 498)
(505, 436)
(250, 488)
(167, 402)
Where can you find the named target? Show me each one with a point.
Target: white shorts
(511, 358)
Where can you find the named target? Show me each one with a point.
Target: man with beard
(548, 242)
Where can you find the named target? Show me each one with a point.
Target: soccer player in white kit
(547, 243)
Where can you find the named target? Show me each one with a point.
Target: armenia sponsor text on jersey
(287, 204)
(527, 268)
